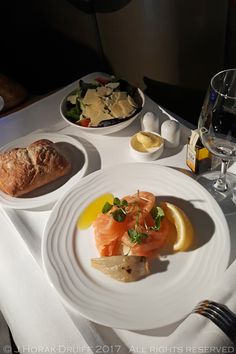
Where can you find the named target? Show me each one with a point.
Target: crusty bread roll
(24, 169)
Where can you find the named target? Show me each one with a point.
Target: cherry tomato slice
(84, 122)
(102, 80)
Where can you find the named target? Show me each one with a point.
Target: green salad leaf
(84, 86)
(73, 113)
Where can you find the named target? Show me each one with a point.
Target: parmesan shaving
(103, 103)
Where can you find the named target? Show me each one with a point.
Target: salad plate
(48, 194)
(178, 281)
(103, 105)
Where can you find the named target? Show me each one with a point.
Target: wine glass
(217, 129)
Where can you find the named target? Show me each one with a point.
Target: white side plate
(73, 151)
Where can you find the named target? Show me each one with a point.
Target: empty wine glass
(217, 128)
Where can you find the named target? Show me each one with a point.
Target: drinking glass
(217, 128)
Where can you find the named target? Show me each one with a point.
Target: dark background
(170, 49)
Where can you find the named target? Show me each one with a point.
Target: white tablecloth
(38, 320)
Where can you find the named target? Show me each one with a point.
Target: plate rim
(93, 175)
(52, 198)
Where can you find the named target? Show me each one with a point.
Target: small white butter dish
(142, 153)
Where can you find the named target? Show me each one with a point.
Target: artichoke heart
(122, 268)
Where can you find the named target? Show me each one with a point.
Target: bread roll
(24, 169)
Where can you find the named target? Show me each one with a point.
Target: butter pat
(144, 141)
(146, 146)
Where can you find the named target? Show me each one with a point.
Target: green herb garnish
(136, 237)
(107, 207)
(116, 201)
(120, 203)
(118, 215)
(157, 214)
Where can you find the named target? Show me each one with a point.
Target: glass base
(226, 199)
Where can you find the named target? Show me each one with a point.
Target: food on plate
(146, 141)
(182, 224)
(134, 221)
(90, 213)
(22, 170)
(135, 226)
(122, 268)
(103, 102)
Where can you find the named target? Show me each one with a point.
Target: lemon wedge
(90, 213)
(183, 225)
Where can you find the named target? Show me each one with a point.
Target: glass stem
(220, 184)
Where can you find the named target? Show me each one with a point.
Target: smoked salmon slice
(111, 235)
(150, 245)
(108, 233)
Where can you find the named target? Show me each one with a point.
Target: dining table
(37, 317)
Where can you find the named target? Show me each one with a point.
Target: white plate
(101, 130)
(74, 152)
(179, 281)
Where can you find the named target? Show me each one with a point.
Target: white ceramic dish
(72, 149)
(147, 156)
(101, 130)
(178, 281)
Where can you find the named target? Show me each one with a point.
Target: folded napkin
(85, 336)
(197, 334)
